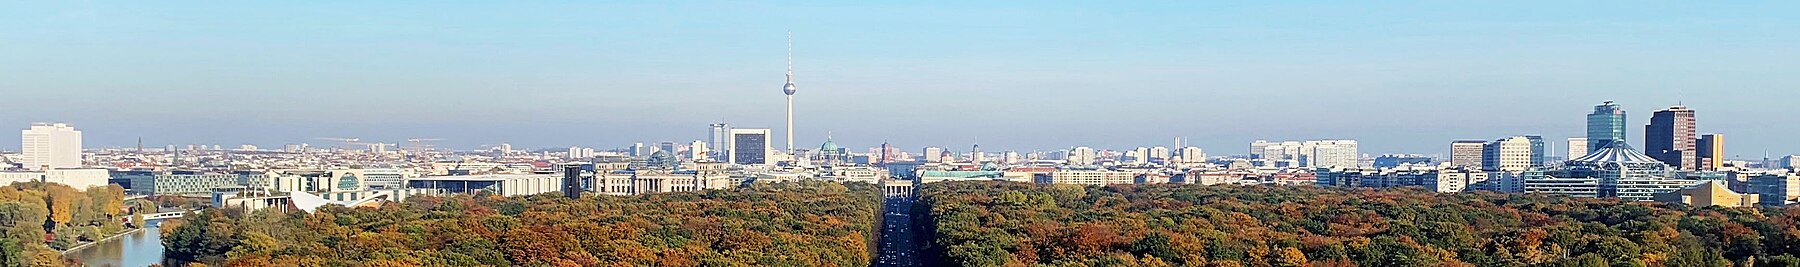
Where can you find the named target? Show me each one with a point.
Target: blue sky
(1401, 77)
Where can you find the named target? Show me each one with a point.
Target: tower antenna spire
(788, 89)
(790, 56)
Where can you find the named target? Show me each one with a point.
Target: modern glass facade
(750, 148)
(1622, 173)
(1605, 126)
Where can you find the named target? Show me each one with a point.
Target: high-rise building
(1159, 154)
(698, 150)
(1670, 137)
(975, 155)
(1193, 155)
(1605, 126)
(1139, 155)
(575, 153)
(1513, 154)
(1709, 153)
(50, 146)
(1332, 153)
(666, 147)
(1081, 155)
(1578, 146)
(1467, 153)
(721, 139)
(934, 154)
(749, 146)
(887, 153)
(1257, 148)
(639, 150)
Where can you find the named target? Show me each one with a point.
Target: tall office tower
(1082, 156)
(575, 152)
(697, 150)
(48, 145)
(506, 149)
(887, 153)
(934, 154)
(1010, 157)
(720, 139)
(789, 90)
(1670, 137)
(1257, 148)
(1709, 155)
(667, 147)
(1605, 126)
(749, 146)
(1577, 147)
(1193, 155)
(1138, 155)
(1159, 154)
(639, 150)
(572, 181)
(1332, 153)
(1467, 153)
(1514, 154)
(975, 155)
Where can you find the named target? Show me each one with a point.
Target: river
(141, 248)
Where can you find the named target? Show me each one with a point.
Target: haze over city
(1399, 77)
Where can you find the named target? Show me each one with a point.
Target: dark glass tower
(1670, 137)
(1605, 126)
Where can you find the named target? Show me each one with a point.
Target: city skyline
(1128, 76)
(1638, 139)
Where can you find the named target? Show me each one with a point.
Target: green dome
(829, 146)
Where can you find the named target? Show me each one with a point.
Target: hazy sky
(1401, 77)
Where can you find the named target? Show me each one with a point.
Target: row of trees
(1016, 224)
(787, 224)
(38, 219)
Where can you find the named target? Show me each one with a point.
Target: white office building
(1192, 155)
(1513, 154)
(50, 146)
(1330, 153)
(1081, 156)
(1578, 146)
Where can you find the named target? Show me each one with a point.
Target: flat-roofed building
(1708, 193)
(1088, 177)
(501, 184)
(185, 184)
(1567, 186)
(1776, 189)
(79, 178)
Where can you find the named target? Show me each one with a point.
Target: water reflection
(142, 248)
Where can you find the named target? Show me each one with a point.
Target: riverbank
(66, 253)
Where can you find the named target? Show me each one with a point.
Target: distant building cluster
(1678, 164)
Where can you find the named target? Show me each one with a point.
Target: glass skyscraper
(1605, 126)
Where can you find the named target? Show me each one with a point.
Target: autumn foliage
(788, 224)
(1017, 224)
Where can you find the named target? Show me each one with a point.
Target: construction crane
(377, 148)
(419, 145)
(346, 141)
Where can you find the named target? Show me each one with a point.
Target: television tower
(789, 90)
